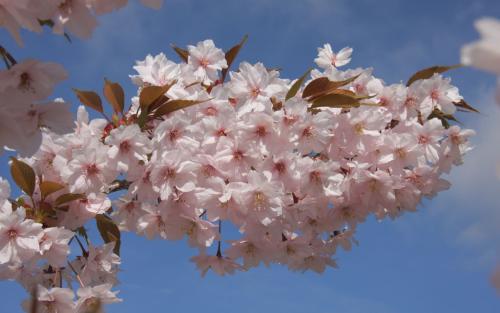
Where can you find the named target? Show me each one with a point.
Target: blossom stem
(84, 252)
(77, 276)
(118, 185)
(7, 57)
(219, 253)
(34, 300)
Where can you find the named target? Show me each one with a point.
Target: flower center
(25, 81)
(125, 146)
(401, 153)
(238, 155)
(358, 128)
(410, 102)
(204, 63)
(307, 132)
(280, 167)
(315, 177)
(359, 88)
(333, 59)
(221, 132)
(169, 172)
(92, 169)
(208, 170)
(211, 111)
(435, 94)
(255, 92)
(12, 234)
(174, 135)
(261, 131)
(423, 140)
(259, 198)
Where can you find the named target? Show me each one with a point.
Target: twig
(77, 276)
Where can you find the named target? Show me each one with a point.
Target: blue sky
(436, 260)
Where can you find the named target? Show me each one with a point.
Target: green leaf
(68, 197)
(90, 99)
(109, 231)
(231, 56)
(115, 95)
(175, 105)
(296, 86)
(150, 94)
(49, 187)
(23, 176)
(182, 53)
(429, 72)
(323, 86)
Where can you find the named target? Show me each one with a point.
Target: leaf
(115, 95)
(68, 197)
(323, 86)
(231, 56)
(23, 176)
(296, 86)
(109, 231)
(429, 72)
(350, 94)
(49, 187)
(175, 105)
(182, 53)
(83, 232)
(443, 117)
(336, 101)
(464, 105)
(90, 99)
(150, 94)
(47, 22)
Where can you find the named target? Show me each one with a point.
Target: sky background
(438, 259)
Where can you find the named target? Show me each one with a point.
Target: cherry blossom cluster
(77, 17)
(26, 86)
(24, 89)
(35, 254)
(295, 166)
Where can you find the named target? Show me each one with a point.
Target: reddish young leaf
(150, 94)
(23, 176)
(109, 231)
(323, 86)
(90, 99)
(429, 72)
(296, 86)
(49, 187)
(115, 95)
(68, 197)
(182, 53)
(175, 105)
(231, 56)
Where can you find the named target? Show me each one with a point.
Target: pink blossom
(91, 299)
(56, 299)
(206, 60)
(54, 245)
(327, 59)
(18, 237)
(219, 264)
